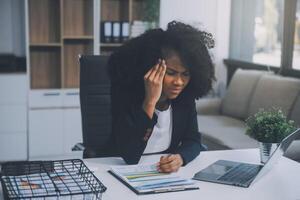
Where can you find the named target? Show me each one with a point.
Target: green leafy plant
(151, 10)
(269, 126)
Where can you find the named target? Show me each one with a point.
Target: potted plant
(269, 128)
(151, 10)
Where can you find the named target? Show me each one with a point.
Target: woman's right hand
(153, 81)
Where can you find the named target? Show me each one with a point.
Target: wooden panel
(138, 9)
(78, 17)
(114, 10)
(44, 21)
(45, 67)
(72, 48)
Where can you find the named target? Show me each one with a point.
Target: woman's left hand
(170, 163)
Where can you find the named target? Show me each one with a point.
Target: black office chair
(95, 105)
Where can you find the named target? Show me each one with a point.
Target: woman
(155, 79)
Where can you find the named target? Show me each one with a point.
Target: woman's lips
(176, 91)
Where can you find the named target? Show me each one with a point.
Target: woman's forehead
(174, 62)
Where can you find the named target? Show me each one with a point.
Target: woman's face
(176, 78)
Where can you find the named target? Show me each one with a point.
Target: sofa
(222, 120)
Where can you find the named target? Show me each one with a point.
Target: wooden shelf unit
(59, 30)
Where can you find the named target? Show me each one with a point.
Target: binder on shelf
(106, 32)
(125, 31)
(116, 32)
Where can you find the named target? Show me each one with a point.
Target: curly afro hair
(130, 62)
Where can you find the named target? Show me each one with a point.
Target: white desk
(281, 183)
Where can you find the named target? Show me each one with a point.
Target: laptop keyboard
(242, 173)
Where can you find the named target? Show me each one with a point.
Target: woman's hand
(170, 163)
(153, 81)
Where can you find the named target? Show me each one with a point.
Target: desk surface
(281, 183)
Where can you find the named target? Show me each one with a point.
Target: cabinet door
(45, 133)
(42, 99)
(13, 137)
(71, 98)
(72, 129)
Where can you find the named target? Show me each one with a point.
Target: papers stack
(145, 179)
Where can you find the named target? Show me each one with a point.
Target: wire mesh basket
(63, 179)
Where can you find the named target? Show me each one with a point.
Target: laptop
(243, 174)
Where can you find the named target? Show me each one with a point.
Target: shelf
(110, 44)
(73, 48)
(44, 21)
(45, 45)
(75, 37)
(77, 17)
(45, 67)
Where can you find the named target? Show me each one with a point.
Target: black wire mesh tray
(62, 179)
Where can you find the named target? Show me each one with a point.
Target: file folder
(106, 32)
(116, 32)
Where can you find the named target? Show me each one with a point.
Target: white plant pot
(266, 150)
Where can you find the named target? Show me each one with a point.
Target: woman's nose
(178, 80)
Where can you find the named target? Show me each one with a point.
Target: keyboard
(241, 174)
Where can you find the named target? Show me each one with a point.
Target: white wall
(212, 16)
(12, 31)
(6, 27)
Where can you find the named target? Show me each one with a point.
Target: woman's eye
(186, 74)
(170, 73)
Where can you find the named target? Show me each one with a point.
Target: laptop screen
(285, 143)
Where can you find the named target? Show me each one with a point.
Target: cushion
(226, 131)
(293, 151)
(208, 106)
(240, 90)
(295, 113)
(275, 91)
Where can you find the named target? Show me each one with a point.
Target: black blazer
(131, 128)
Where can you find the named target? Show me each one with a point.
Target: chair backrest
(95, 104)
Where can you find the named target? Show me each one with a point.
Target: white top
(160, 138)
